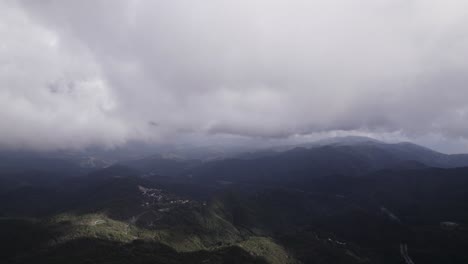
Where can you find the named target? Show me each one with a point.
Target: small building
(450, 226)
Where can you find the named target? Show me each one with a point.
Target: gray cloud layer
(78, 73)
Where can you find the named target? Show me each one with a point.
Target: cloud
(104, 72)
(51, 96)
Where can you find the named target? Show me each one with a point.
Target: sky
(75, 74)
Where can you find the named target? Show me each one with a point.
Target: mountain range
(341, 200)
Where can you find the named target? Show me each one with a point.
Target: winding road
(404, 253)
(403, 246)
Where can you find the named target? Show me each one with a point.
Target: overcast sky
(80, 73)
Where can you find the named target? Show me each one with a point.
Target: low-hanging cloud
(79, 73)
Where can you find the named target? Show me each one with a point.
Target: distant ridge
(346, 156)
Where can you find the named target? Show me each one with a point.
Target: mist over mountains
(234, 132)
(340, 200)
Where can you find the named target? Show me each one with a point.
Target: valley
(381, 212)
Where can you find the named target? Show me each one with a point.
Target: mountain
(404, 150)
(335, 219)
(342, 156)
(343, 200)
(161, 165)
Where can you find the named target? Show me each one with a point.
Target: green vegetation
(97, 226)
(111, 217)
(268, 249)
(81, 238)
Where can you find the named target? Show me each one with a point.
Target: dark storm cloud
(250, 68)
